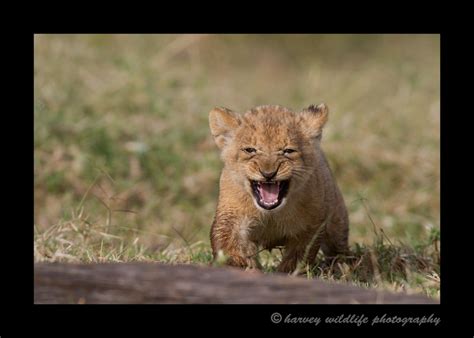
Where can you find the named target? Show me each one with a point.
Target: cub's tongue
(269, 191)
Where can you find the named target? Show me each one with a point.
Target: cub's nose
(268, 175)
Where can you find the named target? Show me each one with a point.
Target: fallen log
(127, 283)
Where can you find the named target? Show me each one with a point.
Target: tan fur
(240, 228)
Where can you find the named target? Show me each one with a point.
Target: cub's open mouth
(269, 194)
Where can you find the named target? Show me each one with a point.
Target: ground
(126, 168)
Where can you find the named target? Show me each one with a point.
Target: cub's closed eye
(288, 151)
(250, 150)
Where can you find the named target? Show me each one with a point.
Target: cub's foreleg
(229, 234)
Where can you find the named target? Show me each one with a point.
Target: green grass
(125, 167)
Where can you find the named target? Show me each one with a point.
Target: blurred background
(124, 158)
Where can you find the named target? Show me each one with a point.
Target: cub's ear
(315, 117)
(223, 123)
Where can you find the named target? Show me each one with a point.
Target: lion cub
(276, 188)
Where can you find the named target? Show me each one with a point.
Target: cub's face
(269, 151)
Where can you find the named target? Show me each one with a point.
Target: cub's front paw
(243, 262)
(287, 265)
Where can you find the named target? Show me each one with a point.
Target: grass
(125, 168)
